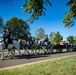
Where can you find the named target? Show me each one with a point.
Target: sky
(51, 22)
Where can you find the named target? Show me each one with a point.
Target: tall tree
(19, 28)
(51, 36)
(40, 33)
(70, 39)
(58, 38)
(71, 15)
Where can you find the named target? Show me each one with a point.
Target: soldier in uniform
(30, 39)
(6, 37)
(46, 38)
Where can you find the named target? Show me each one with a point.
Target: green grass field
(62, 66)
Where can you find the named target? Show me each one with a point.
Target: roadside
(27, 60)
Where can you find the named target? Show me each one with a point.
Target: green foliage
(40, 33)
(19, 28)
(75, 40)
(71, 15)
(58, 38)
(35, 8)
(51, 36)
(71, 39)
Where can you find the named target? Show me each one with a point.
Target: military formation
(31, 46)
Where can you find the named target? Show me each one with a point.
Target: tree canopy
(36, 8)
(19, 28)
(70, 16)
(70, 39)
(51, 36)
(58, 38)
(40, 33)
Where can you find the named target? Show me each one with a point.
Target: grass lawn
(62, 66)
(4, 50)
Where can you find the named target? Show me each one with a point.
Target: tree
(70, 39)
(19, 28)
(40, 33)
(75, 40)
(71, 15)
(51, 36)
(58, 38)
(1, 24)
(35, 8)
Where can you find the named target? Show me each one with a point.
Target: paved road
(31, 58)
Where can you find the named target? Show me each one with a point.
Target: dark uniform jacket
(46, 39)
(9, 41)
(30, 40)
